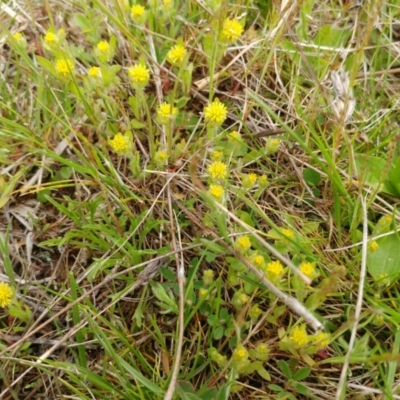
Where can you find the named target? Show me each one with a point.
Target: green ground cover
(199, 199)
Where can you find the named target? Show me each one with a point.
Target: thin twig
(181, 279)
(343, 375)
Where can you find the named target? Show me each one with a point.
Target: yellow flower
(176, 54)
(299, 336)
(274, 268)
(232, 30)
(243, 244)
(217, 155)
(254, 311)
(287, 233)
(52, 40)
(17, 36)
(258, 261)
(138, 14)
(234, 137)
(272, 145)
(218, 170)
(249, 180)
(322, 339)
(50, 37)
(240, 353)
(373, 246)
(161, 157)
(166, 113)
(208, 277)
(139, 74)
(215, 113)
(120, 143)
(263, 181)
(262, 349)
(103, 46)
(217, 191)
(202, 292)
(94, 71)
(64, 67)
(6, 294)
(307, 269)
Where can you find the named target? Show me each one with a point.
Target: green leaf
(218, 333)
(135, 124)
(385, 262)
(46, 65)
(283, 365)
(275, 388)
(302, 374)
(301, 388)
(370, 169)
(82, 22)
(311, 177)
(264, 374)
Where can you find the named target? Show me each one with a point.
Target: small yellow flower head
(262, 350)
(138, 14)
(263, 181)
(161, 157)
(6, 294)
(218, 170)
(272, 145)
(208, 277)
(94, 72)
(240, 353)
(249, 180)
(167, 6)
(217, 191)
(254, 312)
(274, 270)
(50, 37)
(120, 144)
(243, 244)
(139, 75)
(20, 39)
(217, 155)
(373, 246)
(103, 47)
(166, 113)
(64, 67)
(234, 137)
(176, 55)
(299, 336)
(53, 40)
(220, 360)
(215, 113)
(288, 233)
(239, 299)
(307, 269)
(202, 293)
(258, 261)
(232, 30)
(17, 36)
(322, 339)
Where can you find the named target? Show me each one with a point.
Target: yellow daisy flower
(215, 113)
(6, 294)
(176, 55)
(218, 170)
(231, 30)
(139, 74)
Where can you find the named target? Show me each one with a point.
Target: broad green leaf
(311, 176)
(385, 262)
